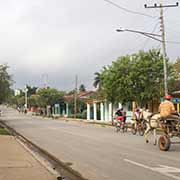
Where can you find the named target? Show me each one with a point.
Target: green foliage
(50, 96)
(72, 92)
(97, 79)
(31, 90)
(82, 88)
(5, 83)
(81, 106)
(36, 101)
(138, 77)
(176, 65)
(3, 132)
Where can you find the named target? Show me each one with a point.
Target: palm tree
(97, 80)
(82, 88)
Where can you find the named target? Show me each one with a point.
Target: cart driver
(166, 108)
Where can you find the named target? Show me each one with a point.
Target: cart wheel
(164, 143)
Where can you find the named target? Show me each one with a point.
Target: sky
(54, 40)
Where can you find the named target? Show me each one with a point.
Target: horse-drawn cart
(170, 128)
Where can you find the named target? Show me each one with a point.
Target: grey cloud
(66, 37)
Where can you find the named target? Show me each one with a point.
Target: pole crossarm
(161, 6)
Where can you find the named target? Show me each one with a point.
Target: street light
(120, 30)
(155, 37)
(150, 35)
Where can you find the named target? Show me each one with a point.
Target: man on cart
(168, 113)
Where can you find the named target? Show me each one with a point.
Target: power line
(173, 42)
(169, 29)
(159, 46)
(147, 40)
(128, 10)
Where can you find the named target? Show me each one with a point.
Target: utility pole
(75, 97)
(25, 91)
(163, 49)
(161, 6)
(45, 80)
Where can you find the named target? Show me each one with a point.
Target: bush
(84, 114)
(78, 116)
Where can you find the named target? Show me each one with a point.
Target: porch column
(95, 111)
(88, 111)
(53, 112)
(102, 112)
(119, 105)
(63, 112)
(178, 107)
(110, 112)
(59, 110)
(106, 112)
(67, 109)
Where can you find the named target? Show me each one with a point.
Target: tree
(82, 88)
(97, 79)
(72, 92)
(138, 77)
(176, 65)
(5, 83)
(31, 90)
(50, 96)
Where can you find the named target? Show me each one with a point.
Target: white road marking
(52, 128)
(164, 170)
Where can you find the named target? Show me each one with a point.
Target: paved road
(98, 153)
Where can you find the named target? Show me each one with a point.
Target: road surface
(96, 152)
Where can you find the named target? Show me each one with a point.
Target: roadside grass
(4, 131)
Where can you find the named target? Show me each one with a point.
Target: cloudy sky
(57, 39)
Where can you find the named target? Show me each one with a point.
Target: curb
(62, 168)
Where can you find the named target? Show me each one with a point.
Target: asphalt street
(96, 152)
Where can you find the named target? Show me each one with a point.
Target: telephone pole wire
(161, 6)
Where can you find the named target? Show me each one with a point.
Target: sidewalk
(16, 163)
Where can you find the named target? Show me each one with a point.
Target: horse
(152, 123)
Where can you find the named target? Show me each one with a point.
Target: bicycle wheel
(117, 127)
(141, 131)
(133, 130)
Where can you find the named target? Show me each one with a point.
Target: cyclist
(137, 114)
(120, 115)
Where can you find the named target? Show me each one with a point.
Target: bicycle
(139, 127)
(120, 125)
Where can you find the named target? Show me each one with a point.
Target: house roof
(81, 95)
